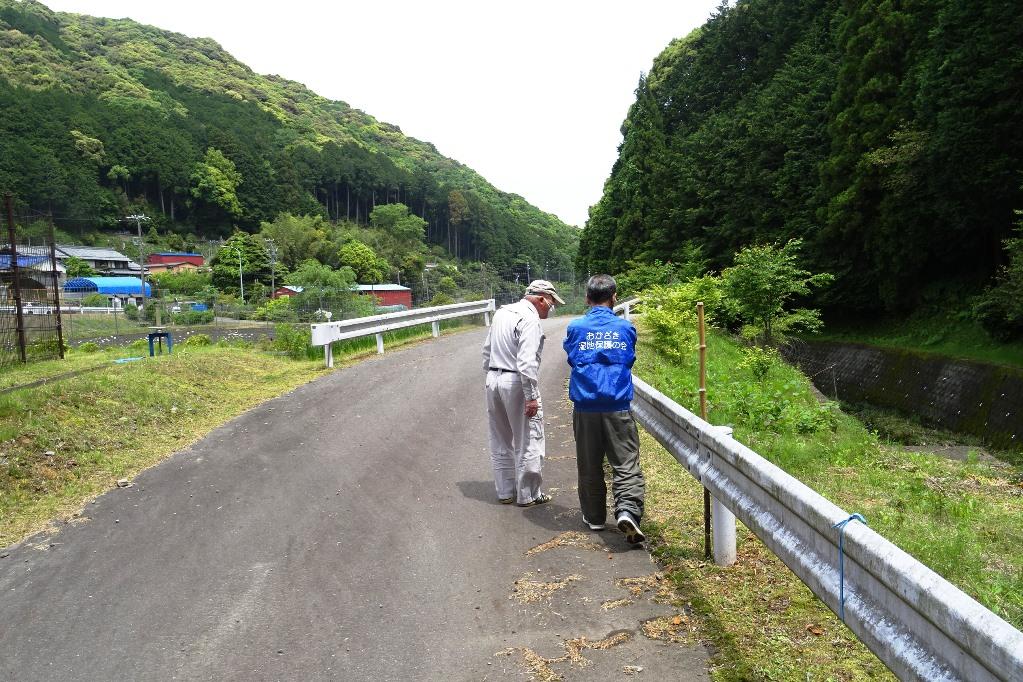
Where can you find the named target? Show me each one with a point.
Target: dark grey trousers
(612, 435)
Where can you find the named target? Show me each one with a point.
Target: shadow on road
(479, 490)
(551, 516)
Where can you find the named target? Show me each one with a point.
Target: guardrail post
(724, 524)
(724, 534)
(380, 344)
(436, 329)
(328, 354)
(486, 319)
(628, 310)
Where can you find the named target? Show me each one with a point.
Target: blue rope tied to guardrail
(841, 560)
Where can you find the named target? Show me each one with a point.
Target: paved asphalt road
(345, 531)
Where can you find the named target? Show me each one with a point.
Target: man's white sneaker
(628, 525)
(594, 526)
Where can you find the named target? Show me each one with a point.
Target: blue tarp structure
(23, 261)
(115, 286)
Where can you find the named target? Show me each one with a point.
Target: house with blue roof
(34, 270)
(119, 290)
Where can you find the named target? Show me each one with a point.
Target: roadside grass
(962, 519)
(70, 440)
(82, 327)
(896, 429)
(945, 333)
(92, 325)
(114, 422)
(18, 374)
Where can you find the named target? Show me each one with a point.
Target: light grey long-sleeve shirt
(515, 342)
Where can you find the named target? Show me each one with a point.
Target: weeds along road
(346, 530)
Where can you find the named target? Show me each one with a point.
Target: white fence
(328, 332)
(29, 308)
(920, 625)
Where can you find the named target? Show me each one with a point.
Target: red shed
(286, 290)
(176, 257)
(388, 294)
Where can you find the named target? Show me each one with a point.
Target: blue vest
(601, 350)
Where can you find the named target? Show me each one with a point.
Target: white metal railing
(916, 622)
(326, 333)
(46, 309)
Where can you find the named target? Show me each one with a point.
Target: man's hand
(532, 407)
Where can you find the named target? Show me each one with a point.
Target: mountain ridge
(122, 69)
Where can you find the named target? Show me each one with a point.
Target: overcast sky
(530, 94)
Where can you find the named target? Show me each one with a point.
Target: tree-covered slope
(888, 135)
(97, 114)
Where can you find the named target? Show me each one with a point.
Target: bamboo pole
(703, 416)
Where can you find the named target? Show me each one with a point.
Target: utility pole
(272, 248)
(139, 218)
(528, 277)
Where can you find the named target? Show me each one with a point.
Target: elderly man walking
(601, 350)
(511, 360)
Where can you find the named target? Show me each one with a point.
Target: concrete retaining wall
(958, 395)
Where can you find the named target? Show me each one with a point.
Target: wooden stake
(22, 346)
(703, 362)
(703, 416)
(55, 279)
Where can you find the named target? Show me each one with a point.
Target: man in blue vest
(601, 350)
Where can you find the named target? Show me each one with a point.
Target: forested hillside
(888, 135)
(101, 116)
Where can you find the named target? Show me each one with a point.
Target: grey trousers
(516, 443)
(612, 435)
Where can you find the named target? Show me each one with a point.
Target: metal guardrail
(326, 333)
(916, 622)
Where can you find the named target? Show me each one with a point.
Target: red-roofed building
(286, 291)
(176, 257)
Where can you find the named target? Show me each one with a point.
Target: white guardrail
(920, 625)
(326, 333)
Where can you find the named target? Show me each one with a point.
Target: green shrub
(779, 408)
(359, 306)
(88, 347)
(44, 348)
(276, 310)
(671, 313)
(762, 283)
(759, 361)
(294, 342)
(447, 285)
(96, 301)
(815, 419)
(197, 341)
(192, 317)
(441, 299)
(131, 311)
(1000, 309)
